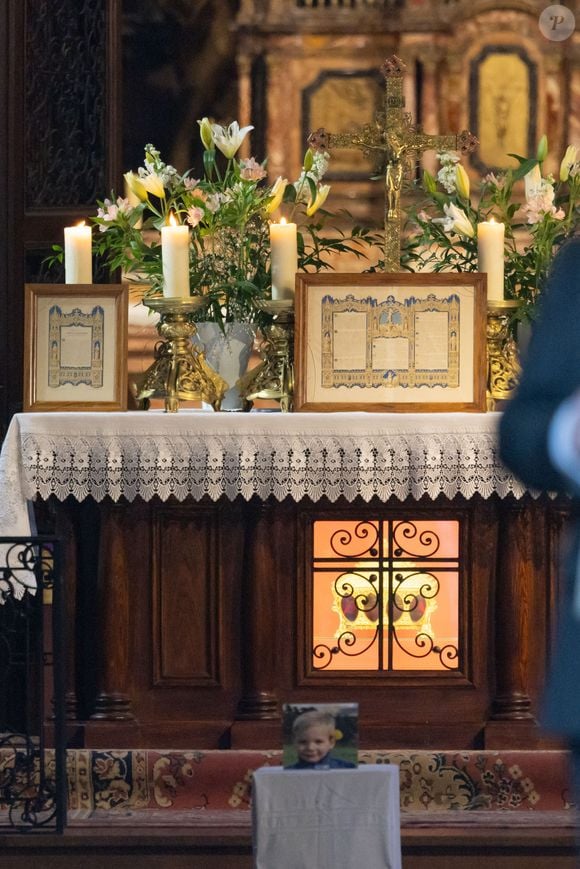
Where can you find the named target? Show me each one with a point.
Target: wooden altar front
(192, 564)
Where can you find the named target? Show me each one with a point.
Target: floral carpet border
(208, 781)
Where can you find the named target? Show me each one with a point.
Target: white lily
(568, 161)
(458, 220)
(278, 190)
(229, 139)
(533, 182)
(319, 200)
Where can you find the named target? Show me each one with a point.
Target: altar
(219, 565)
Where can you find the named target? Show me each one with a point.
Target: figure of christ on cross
(394, 137)
(395, 155)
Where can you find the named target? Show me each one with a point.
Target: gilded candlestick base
(273, 378)
(179, 372)
(503, 367)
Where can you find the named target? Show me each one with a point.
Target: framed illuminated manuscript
(75, 347)
(390, 342)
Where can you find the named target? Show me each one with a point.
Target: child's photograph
(320, 736)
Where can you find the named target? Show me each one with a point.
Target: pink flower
(541, 204)
(494, 180)
(198, 193)
(250, 170)
(112, 210)
(194, 215)
(540, 198)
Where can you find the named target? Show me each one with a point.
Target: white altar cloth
(304, 819)
(196, 453)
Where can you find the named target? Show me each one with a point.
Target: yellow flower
(229, 140)
(429, 182)
(319, 200)
(153, 184)
(205, 133)
(136, 186)
(278, 189)
(568, 161)
(462, 181)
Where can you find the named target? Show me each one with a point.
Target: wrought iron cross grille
(385, 595)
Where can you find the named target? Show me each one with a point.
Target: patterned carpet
(116, 786)
(222, 780)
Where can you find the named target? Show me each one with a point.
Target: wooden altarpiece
(192, 625)
(194, 616)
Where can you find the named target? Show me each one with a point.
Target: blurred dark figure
(540, 443)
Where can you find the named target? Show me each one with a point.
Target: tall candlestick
(284, 259)
(78, 262)
(175, 259)
(490, 252)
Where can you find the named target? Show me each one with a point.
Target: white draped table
(193, 453)
(327, 819)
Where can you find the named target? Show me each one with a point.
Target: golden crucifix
(393, 135)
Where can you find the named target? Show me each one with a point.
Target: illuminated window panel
(385, 595)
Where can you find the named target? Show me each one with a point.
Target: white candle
(175, 259)
(490, 253)
(284, 259)
(78, 262)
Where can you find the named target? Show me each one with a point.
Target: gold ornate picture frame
(75, 347)
(390, 342)
(503, 105)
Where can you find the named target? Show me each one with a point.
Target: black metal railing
(33, 789)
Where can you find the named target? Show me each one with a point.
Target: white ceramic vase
(228, 353)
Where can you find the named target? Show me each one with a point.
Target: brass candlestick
(273, 378)
(179, 371)
(503, 367)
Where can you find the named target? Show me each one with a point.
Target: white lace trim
(215, 455)
(299, 465)
(297, 456)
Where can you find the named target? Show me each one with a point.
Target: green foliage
(228, 211)
(539, 213)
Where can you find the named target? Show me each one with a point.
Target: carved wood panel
(65, 102)
(186, 601)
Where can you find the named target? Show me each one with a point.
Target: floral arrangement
(228, 211)
(538, 211)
